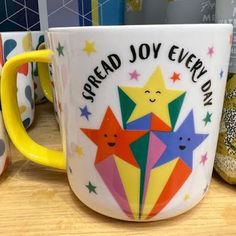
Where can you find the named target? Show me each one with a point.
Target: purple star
(221, 74)
(180, 143)
(204, 159)
(211, 51)
(85, 112)
(205, 189)
(134, 75)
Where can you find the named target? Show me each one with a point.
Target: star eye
(105, 135)
(180, 138)
(115, 135)
(189, 139)
(147, 91)
(158, 92)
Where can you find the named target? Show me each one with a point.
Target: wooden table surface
(38, 201)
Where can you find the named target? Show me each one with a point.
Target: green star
(60, 49)
(91, 188)
(207, 119)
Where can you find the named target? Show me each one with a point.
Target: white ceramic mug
(140, 115)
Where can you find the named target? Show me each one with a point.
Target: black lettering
(115, 61)
(206, 86)
(88, 88)
(99, 73)
(182, 56)
(132, 49)
(207, 96)
(144, 51)
(156, 49)
(93, 81)
(196, 66)
(172, 52)
(106, 67)
(88, 97)
(202, 72)
(189, 60)
(208, 103)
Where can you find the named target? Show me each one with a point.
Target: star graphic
(181, 143)
(89, 48)
(204, 158)
(153, 97)
(111, 139)
(85, 112)
(60, 49)
(207, 119)
(175, 77)
(79, 150)
(91, 188)
(210, 51)
(221, 74)
(186, 197)
(134, 75)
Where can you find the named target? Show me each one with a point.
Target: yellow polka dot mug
(140, 110)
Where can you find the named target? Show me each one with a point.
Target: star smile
(152, 100)
(111, 144)
(181, 147)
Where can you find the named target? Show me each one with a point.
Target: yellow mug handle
(11, 113)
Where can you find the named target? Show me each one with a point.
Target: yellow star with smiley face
(153, 97)
(89, 47)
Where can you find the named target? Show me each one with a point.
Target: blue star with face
(180, 143)
(85, 112)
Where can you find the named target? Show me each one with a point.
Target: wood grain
(38, 201)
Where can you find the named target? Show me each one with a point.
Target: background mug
(170, 11)
(225, 162)
(226, 13)
(37, 40)
(14, 43)
(145, 12)
(191, 11)
(140, 117)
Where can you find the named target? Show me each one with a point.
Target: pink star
(210, 51)
(134, 75)
(204, 159)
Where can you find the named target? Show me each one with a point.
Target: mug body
(14, 43)
(140, 115)
(191, 11)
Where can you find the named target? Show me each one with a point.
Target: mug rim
(122, 27)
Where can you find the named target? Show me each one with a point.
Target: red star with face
(111, 139)
(175, 77)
